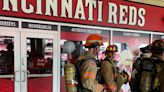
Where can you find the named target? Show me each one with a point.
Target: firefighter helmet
(145, 49)
(93, 41)
(157, 47)
(111, 48)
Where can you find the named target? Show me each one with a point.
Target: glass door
(39, 61)
(9, 61)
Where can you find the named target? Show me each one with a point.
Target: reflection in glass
(6, 64)
(158, 37)
(6, 55)
(39, 64)
(128, 44)
(39, 56)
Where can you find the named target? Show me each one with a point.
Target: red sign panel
(111, 13)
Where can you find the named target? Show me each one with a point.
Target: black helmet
(157, 47)
(145, 49)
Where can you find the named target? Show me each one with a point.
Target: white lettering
(123, 10)
(117, 14)
(66, 6)
(38, 26)
(86, 31)
(7, 23)
(79, 10)
(112, 13)
(141, 13)
(24, 7)
(14, 4)
(51, 4)
(132, 15)
(91, 4)
(125, 16)
(131, 34)
(99, 11)
(39, 7)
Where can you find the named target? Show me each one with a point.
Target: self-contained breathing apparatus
(108, 68)
(151, 69)
(93, 41)
(137, 68)
(109, 53)
(69, 69)
(70, 73)
(78, 65)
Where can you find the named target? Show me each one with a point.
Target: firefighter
(86, 65)
(110, 72)
(157, 49)
(137, 67)
(152, 69)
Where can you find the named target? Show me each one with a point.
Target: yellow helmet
(93, 41)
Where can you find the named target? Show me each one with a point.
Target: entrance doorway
(28, 61)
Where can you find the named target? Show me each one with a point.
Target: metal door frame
(20, 36)
(55, 71)
(16, 34)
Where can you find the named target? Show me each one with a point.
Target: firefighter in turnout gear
(137, 68)
(110, 73)
(86, 65)
(152, 78)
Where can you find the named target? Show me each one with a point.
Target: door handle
(15, 76)
(24, 76)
